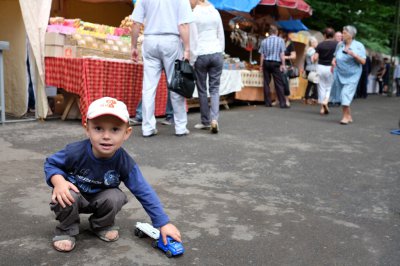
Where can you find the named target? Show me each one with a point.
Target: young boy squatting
(85, 177)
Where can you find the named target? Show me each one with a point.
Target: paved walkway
(275, 187)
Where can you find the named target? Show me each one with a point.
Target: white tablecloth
(231, 81)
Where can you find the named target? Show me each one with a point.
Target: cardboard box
(69, 51)
(59, 104)
(53, 51)
(56, 104)
(54, 38)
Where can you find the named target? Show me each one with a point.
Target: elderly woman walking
(350, 55)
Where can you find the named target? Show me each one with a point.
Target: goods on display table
(74, 38)
(90, 61)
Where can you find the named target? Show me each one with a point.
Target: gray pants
(211, 65)
(160, 52)
(104, 206)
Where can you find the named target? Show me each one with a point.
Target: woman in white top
(209, 45)
(311, 66)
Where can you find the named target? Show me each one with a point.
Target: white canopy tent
(23, 24)
(25, 21)
(35, 14)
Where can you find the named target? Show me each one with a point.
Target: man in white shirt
(166, 29)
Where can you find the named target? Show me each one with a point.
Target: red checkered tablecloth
(91, 79)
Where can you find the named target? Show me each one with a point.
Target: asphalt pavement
(274, 187)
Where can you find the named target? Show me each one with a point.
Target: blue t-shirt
(78, 165)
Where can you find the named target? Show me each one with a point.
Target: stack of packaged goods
(233, 63)
(75, 38)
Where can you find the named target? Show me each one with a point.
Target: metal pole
(3, 106)
(394, 48)
(394, 52)
(3, 46)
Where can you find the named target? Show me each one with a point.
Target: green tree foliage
(374, 19)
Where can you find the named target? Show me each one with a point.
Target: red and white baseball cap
(108, 106)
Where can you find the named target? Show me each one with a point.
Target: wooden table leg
(68, 107)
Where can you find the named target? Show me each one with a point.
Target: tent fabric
(235, 5)
(12, 30)
(293, 25)
(36, 16)
(285, 9)
(294, 4)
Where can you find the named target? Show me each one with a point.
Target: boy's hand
(61, 190)
(170, 230)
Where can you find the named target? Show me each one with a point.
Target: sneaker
(214, 127)
(275, 103)
(168, 121)
(135, 122)
(153, 133)
(201, 126)
(187, 132)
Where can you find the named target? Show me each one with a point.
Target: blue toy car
(173, 248)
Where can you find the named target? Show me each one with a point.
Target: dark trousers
(209, 65)
(311, 90)
(398, 87)
(286, 84)
(381, 85)
(272, 68)
(362, 86)
(104, 206)
(31, 94)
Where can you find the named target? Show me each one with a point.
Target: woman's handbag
(313, 77)
(183, 80)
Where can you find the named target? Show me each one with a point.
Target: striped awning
(297, 6)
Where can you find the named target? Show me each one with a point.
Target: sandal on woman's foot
(102, 233)
(71, 239)
(344, 122)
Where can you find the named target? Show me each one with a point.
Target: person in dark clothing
(386, 75)
(31, 93)
(362, 84)
(380, 74)
(272, 62)
(290, 56)
(324, 54)
(311, 94)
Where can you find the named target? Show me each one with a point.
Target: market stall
(75, 38)
(248, 23)
(68, 41)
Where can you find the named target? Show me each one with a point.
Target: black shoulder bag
(183, 80)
